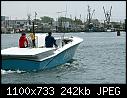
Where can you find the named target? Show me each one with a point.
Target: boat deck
(25, 51)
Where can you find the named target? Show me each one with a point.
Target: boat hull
(29, 65)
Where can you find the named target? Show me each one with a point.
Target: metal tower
(107, 17)
(89, 16)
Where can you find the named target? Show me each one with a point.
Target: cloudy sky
(20, 9)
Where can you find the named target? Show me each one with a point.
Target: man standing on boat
(32, 36)
(23, 42)
(50, 41)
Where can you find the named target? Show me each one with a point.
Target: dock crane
(89, 17)
(107, 17)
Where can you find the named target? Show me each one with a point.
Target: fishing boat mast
(89, 18)
(65, 21)
(107, 18)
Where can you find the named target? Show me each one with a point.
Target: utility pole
(70, 21)
(35, 17)
(34, 23)
(29, 19)
(80, 17)
(28, 22)
(60, 27)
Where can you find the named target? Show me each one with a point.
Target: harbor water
(99, 59)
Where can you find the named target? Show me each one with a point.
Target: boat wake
(10, 71)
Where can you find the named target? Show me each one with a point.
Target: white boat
(40, 58)
(109, 30)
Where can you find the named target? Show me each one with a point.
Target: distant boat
(13, 31)
(30, 59)
(118, 32)
(109, 30)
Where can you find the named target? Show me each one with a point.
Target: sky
(20, 9)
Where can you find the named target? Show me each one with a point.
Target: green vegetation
(46, 19)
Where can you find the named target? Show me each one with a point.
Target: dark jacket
(50, 41)
(23, 42)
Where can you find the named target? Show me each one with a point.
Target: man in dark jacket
(50, 41)
(23, 42)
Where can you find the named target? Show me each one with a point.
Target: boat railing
(61, 42)
(36, 40)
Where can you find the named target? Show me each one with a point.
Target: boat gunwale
(52, 56)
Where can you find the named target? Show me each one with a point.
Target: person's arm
(45, 41)
(26, 42)
(55, 43)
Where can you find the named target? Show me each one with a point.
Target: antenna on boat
(65, 21)
(62, 37)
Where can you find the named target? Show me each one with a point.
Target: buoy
(118, 33)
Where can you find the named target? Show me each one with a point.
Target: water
(99, 59)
